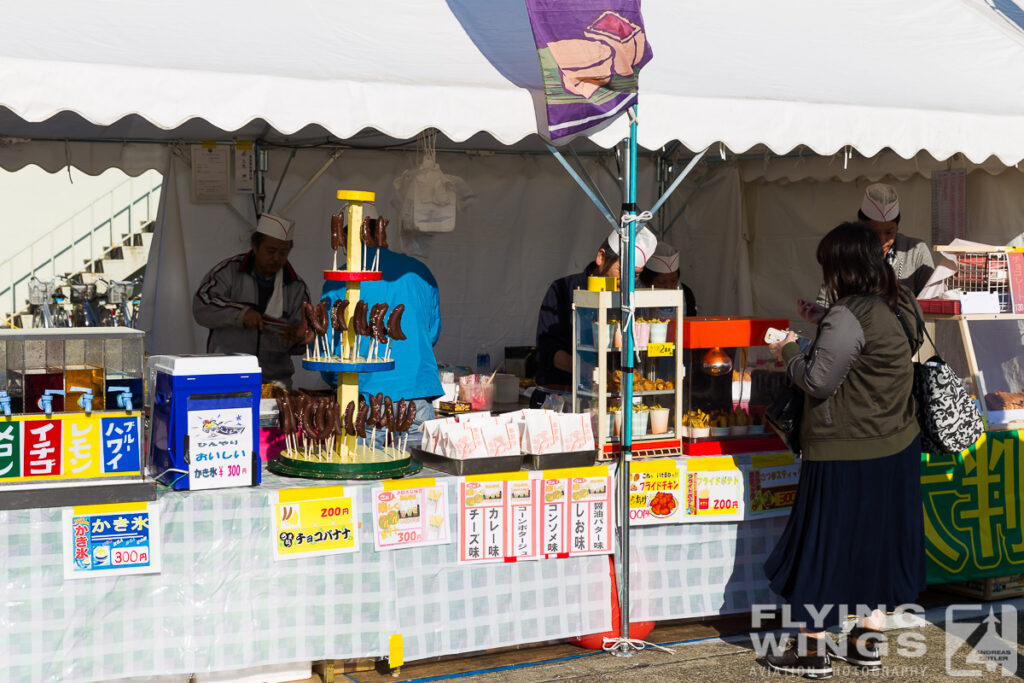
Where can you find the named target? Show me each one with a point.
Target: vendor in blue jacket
(404, 280)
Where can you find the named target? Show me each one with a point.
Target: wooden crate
(995, 588)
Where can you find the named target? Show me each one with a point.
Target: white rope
(634, 644)
(641, 219)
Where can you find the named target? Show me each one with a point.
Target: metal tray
(460, 468)
(557, 461)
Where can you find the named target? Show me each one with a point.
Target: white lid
(206, 364)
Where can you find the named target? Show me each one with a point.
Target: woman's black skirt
(855, 538)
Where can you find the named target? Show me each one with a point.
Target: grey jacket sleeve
(212, 306)
(918, 268)
(839, 344)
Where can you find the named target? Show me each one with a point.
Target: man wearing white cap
(554, 322)
(252, 302)
(662, 272)
(910, 258)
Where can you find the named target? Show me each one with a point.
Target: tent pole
(675, 183)
(627, 285)
(606, 212)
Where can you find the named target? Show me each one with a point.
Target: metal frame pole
(627, 286)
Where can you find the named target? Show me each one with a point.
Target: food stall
(973, 522)
(220, 565)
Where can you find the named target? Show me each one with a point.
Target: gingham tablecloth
(222, 603)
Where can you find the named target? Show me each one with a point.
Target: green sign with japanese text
(973, 509)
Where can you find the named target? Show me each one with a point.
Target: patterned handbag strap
(921, 326)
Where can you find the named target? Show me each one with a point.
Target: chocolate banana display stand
(344, 448)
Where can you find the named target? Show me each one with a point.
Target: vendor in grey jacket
(855, 536)
(252, 302)
(909, 257)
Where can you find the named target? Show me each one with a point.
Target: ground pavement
(920, 657)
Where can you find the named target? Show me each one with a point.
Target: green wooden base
(312, 469)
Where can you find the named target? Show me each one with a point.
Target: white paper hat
(275, 226)
(644, 246)
(665, 259)
(880, 203)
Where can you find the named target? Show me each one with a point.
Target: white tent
(935, 75)
(926, 79)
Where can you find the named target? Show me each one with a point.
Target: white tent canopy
(909, 85)
(935, 75)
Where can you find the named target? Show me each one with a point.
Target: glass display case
(730, 378)
(657, 379)
(987, 352)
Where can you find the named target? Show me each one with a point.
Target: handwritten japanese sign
(535, 515)
(409, 513)
(111, 540)
(714, 489)
(483, 514)
(69, 447)
(313, 521)
(654, 496)
(220, 448)
(577, 512)
(772, 480)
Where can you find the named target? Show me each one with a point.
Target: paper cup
(699, 432)
(684, 432)
(640, 418)
(659, 420)
(659, 332)
(617, 424)
(609, 424)
(643, 334)
(615, 332)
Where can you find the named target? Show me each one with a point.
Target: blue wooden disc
(333, 366)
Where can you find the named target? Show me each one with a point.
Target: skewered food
(338, 315)
(337, 231)
(381, 233)
(394, 327)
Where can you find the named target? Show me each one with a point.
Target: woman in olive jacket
(855, 537)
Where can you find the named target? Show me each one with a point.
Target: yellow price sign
(317, 521)
(660, 349)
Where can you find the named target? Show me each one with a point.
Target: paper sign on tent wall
(949, 201)
(211, 173)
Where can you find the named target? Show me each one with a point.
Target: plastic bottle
(483, 360)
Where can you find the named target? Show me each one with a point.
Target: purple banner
(591, 52)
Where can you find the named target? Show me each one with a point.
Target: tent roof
(936, 75)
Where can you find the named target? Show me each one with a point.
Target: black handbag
(949, 418)
(785, 414)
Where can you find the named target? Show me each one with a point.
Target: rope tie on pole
(641, 219)
(634, 644)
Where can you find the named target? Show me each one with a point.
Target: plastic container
(642, 332)
(506, 388)
(659, 420)
(640, 418)
(659, 332)
(476, 392)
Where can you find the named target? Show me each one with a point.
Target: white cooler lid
(205, 364)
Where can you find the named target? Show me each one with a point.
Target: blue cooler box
(204, 425)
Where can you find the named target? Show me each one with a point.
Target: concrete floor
(733, 658)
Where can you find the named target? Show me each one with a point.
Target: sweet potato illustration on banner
(590, 56)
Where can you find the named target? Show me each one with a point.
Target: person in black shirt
(554, 322)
